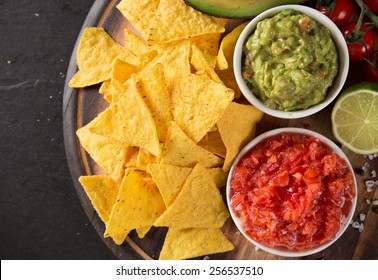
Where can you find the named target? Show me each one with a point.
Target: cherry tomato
(356, 49)
(370, 69)
(372, 5)
(339, 11)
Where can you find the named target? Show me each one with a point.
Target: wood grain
(80, 107)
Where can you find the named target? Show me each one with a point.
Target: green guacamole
(290, 61)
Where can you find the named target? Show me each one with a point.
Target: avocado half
(237, 8)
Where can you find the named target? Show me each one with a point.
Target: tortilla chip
(220, 21)
(108, 98)
(135, 44)
(117, 89)
(144, 158)
(226, 50)
(139, 48)
(208, 44)
(106, 90)
(139, 13)
(113, 90)
(129, 121)
(102, 192)
(119, 238)
(174, 19)
(219, 176)
(106, 152)
(198, 205)
(122, 70)
(132, 157)
(180, 150)
(138, 205)
(169, 179)
(143, 231)
(182, 244)
(196, 113)
(199, 62)
(224, 66)
(155, 98)
(228, 78)
(145, 58)
(95, 55)
(152, 86)
(105, 87)
(213, 143)
(237, 127)
(174, 58)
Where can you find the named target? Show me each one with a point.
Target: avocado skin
(236, 8)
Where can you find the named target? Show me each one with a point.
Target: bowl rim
(344, 224)
(332, 91)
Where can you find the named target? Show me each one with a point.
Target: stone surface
(40, 214)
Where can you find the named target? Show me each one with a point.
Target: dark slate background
(40, 214)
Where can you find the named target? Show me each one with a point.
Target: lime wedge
(355, 118)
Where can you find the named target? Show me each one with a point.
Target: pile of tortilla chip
(172, 128)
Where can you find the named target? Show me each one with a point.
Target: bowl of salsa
(291, 192)
(291, 61)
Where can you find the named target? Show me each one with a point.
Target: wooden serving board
(80, 106)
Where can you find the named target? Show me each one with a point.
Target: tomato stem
(356, 35)
(373, 63)
(366, 10)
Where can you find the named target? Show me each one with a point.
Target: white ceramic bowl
(332, 91)
(269, 134)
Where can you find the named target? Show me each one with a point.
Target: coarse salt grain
(356, 225)
(365, 166)
(368, 201)
(362, 217)
(369, 183)
(375, 202)
(361, 227)
(373, 174)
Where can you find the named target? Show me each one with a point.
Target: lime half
(355, 118)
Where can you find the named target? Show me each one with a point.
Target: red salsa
(292, 192)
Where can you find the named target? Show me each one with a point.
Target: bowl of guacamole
(291, 61)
